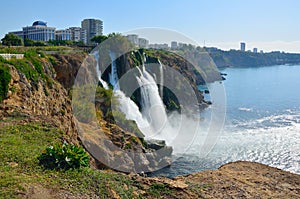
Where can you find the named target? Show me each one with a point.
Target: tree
(60, 42)
(28, 42)
(12, 40)
(98, 39)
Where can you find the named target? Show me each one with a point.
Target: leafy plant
(64, 156)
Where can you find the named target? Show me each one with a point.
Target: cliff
(34, 94)
(188, 69)
(36, 112)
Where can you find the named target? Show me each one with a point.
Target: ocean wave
(259, 141)
(245, 109)
(288, 118)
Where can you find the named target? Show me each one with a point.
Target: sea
(261, 121)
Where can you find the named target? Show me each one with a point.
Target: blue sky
(268, 25)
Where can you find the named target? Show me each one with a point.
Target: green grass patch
(21, 145)
(5, 78)
(23, 49)
(158, 190)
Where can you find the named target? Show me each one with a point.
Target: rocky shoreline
(239, 179)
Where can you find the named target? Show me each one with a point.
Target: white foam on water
(277, 146)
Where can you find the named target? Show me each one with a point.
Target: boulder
(156, 144)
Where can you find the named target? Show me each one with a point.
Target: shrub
(158, 190)
(5, 78)
(64, 156)
(24, 66)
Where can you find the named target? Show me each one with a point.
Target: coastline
(37, 112)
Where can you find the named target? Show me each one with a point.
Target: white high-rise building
(133, 38)
(174, 45)
(143, 43)
(63, 35)
(78, 34)
(93, 27)
(39, 31)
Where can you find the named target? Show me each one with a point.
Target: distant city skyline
(266, 25)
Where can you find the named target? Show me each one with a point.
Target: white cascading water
(113, 76)
(153, 120)
(99, 74)
(131, 110)
(152, 106)
(161, 70)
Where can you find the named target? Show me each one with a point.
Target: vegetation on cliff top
(20, 171)
(5, 78)
(235, 58)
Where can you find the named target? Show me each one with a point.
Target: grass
(22, 49)
(20, 147)
(157, 190)
(19, 168)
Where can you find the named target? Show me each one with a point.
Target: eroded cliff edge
(34, 95)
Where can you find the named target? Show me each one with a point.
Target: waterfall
(113, 76)
(152, 120)
(99, 74)
(161, 70)
(132, 112)
(161, 75)
(152, 105)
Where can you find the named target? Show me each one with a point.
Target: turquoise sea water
(262, 121)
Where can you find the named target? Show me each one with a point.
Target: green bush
(65, 156)
(157, 190)
(24, 66)
(5, 78)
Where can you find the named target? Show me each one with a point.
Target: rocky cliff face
(240, 179)
(35, 95)
(170, 61)
(43, 98)
(66, 67)
(119, 147)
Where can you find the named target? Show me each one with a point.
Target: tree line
(11, 39)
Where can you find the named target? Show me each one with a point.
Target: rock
(156, 144)
(150, 157)
(9, 93)
(12, 164)
(209, 102)
(165, 162)
(164, 152)
(141, 162)
(115, 195)
(178, 184)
